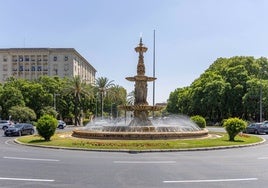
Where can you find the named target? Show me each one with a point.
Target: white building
(31, 63)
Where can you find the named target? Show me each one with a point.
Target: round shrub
(233, 126)
(86, 121)
(199, 120)
(46, 126)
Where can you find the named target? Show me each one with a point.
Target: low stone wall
(138, 135)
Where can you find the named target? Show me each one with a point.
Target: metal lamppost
(54, 97)
(261, 103)
(96, 113)
(0, 111)
(112, 110)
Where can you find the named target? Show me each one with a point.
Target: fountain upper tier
(140, 107)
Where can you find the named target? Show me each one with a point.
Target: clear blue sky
(190, 34)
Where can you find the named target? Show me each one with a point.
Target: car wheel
(4, 128)
(60, 127)
(31, 132)
(256, 132)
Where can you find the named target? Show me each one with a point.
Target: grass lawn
(65, 140)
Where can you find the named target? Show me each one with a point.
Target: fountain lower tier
(152, 135)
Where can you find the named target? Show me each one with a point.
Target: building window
(66, 58)
(4, 77)
(66, 67)
(33, 68)
(4, 67)
(5, 59)
(20, 58)
(21, 68)
(27, 58)
(55, 58)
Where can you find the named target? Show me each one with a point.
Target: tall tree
(10, 97)
(78, 88)
(103, 84)
(117, 96)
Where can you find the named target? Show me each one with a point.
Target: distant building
(31, 63)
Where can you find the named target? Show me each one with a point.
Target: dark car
(61, 124)
(19, 129)
(257, 128)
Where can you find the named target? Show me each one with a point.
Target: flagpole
(154, 73)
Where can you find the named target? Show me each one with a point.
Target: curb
(143, 151)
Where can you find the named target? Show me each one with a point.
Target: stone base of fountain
(140, 133)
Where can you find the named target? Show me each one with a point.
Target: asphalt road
(24, 166)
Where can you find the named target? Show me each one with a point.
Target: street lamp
(261, 103)
(54, 99)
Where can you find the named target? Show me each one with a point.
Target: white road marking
(31, 159)
(23, 179)
(7, 141)
(263, 158)
(208, 181)
(144, 162)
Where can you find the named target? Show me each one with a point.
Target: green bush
(46, 126)
(199, 120)
(86, 121)
(233, 126)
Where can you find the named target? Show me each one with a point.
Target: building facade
(31, 63)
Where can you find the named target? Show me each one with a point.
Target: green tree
(103, 85)
(22, 114)
(229, 87)
(9, 97)
(49, 110)
(172, 104)
(117, 96)
(36, 97)
(77, 88)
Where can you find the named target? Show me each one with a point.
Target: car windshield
(18, 125)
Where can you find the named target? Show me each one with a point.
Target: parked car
(61, 124)
(19, 129)
(257, 128)
(4, 124)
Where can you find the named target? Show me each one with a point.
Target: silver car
(4, 124)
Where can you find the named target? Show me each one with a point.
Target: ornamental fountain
(141, 127)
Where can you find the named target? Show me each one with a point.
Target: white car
(61, 124)
(4, 124)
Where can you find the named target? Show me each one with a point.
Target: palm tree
(117, 96)
(78, 88)
(103, 84)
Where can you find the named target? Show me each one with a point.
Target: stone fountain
(141, 108)
(141, 126)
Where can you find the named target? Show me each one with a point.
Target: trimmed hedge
(46, 126)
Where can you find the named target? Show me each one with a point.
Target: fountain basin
(150, 135)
